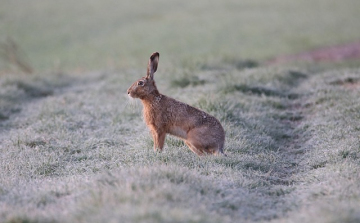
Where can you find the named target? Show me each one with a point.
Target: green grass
(74, 148)
(87, 35)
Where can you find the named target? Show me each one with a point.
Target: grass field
(74, 148)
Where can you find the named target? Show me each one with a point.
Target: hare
(201, 132)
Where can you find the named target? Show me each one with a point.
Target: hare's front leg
(159, 139)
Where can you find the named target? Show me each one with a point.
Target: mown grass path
(73, 149)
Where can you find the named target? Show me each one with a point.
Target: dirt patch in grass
(351, 83)
(329, 54)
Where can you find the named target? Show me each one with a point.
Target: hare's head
(146, 85)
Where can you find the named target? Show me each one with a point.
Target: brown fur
(200, 131)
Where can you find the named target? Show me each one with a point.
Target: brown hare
(202, 132)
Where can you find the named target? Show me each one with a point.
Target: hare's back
(185, 114)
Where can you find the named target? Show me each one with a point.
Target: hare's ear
(152, 66)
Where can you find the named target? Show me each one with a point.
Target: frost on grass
(83, 153)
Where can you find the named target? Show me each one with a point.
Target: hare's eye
(141, 83)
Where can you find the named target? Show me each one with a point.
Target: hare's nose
(128, 92)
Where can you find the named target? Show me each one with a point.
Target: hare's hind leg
(203, 142)
(194, 149)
